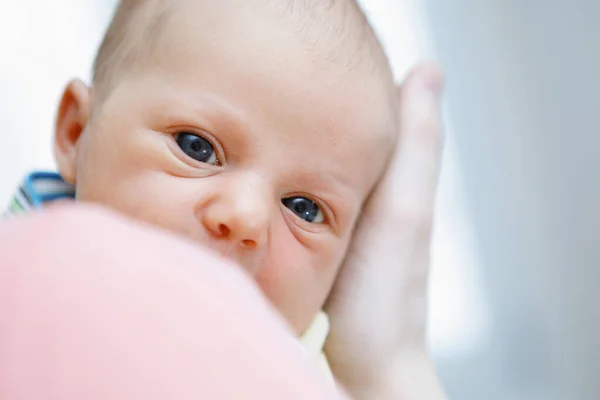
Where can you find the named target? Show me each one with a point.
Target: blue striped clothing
(37, 189)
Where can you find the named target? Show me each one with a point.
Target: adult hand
(378, 307)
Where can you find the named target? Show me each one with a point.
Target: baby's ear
(71, 120)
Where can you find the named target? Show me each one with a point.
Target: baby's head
(256, 128)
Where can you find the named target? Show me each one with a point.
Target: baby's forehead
(142, 29)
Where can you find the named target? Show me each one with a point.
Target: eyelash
(219, 152)
(327, 212)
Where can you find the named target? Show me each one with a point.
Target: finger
(414, 171)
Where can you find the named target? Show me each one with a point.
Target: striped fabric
(38, 189)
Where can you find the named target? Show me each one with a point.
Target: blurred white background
(515, 253)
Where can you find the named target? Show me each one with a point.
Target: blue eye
(197, 147)
(304, 208)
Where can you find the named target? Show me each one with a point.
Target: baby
(255, 128)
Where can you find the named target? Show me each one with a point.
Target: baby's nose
(240, 214)
(237, 224)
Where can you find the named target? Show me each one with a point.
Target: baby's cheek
(149, 196)
(298, 279)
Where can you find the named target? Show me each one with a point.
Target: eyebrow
(214, 114)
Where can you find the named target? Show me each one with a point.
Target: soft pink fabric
(96, 307)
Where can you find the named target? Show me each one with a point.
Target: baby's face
(246, 141)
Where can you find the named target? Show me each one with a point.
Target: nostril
(223, 230)
(248, 244)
